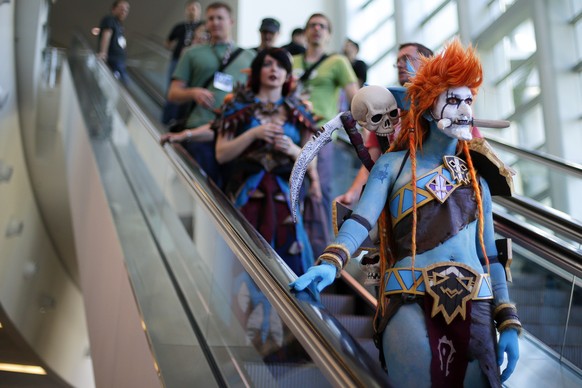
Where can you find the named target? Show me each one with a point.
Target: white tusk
(444, 123)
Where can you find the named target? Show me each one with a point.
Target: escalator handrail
(555, 220)
(551, 161)
(325, 340)
(548, 247)
(83, 78)
(270, 273)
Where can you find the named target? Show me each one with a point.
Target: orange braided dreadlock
(454, 67)
(479, 199)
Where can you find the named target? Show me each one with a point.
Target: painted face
(453, 113)
(273, 74)
(407, 63)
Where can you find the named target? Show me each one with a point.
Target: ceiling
(146, 17)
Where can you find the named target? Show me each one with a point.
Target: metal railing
(332, 349)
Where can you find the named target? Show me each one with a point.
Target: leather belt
(400, 280)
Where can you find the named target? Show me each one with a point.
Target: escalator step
(285, 375)
(553, 335)
(546, 297)
(528, 280)
(576, 315)
(359, 326)
(573, 354)
(338, 303)
(537, 314)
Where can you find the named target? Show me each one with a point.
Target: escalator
(204, 246)
(195, 266)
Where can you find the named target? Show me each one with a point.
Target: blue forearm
(499, 284)
(351, 235)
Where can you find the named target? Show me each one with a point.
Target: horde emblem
(447, 352)
(440, 187)
(451, 287)
(458, 169)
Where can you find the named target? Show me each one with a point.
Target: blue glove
(321, 275)
(509, 344)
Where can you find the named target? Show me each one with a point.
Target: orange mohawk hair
(453, 67)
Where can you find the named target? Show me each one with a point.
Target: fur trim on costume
(237, 112)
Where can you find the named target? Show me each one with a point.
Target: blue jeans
(119, 70)
(204, 154)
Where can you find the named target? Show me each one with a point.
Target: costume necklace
(268, 108)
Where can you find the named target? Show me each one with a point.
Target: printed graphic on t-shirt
(121, 41)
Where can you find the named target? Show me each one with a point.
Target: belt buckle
(451, 287)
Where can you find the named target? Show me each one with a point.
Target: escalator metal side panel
(341, 366)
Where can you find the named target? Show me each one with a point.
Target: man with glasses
(321, 77)
(407, 62)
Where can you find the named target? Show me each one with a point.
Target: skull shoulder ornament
(375, 109)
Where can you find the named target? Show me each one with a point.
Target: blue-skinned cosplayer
(443, 292)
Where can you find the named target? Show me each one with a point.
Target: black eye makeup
(456, 100)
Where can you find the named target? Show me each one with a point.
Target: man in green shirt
(322, 88)
(196, 67)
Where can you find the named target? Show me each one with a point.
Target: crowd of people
(207, 73)
(246, 113)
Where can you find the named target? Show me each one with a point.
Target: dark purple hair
(281, 56)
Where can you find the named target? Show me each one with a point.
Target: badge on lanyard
(223, 81)
(121, 41)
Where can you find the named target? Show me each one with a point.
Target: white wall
(36, 291)
(155, 18)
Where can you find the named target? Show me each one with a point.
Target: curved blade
(308, 153)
